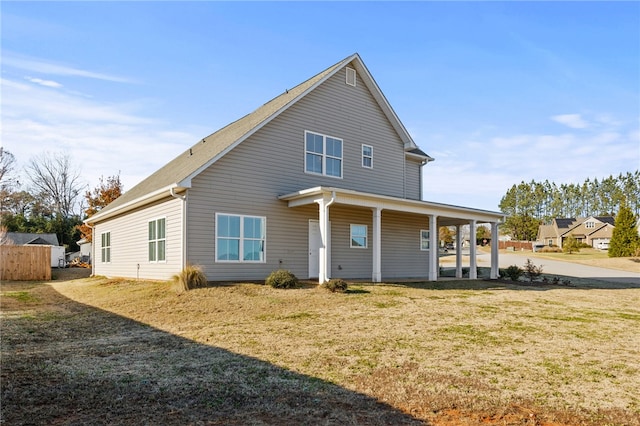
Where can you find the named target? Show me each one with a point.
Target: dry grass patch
(443, 353)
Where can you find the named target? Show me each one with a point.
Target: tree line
(529, 204)
(49, 196)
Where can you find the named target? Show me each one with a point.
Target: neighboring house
(27, 239)
(323, 180)
(595, 231)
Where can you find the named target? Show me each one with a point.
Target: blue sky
(497, 92)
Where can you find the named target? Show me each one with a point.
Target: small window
(367, 156)
(157, 240)
(358, 236)
(240, 238)
(351, 77)
(105, 246)
(323, 155)
(590, 225)
(424, 239)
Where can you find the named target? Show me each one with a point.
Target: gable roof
(24, 238)
(606, 219)
(178, 173)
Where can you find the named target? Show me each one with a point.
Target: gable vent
(351, 77)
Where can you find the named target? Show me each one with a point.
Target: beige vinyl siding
(401, 254)
(346, 261)
(270, 163)
(412, 180)
(129, 243)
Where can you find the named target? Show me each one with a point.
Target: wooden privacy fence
(25, 263)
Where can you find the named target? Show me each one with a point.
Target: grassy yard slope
(443, 353)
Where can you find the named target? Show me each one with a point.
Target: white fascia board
(362, 199)
(138, 202)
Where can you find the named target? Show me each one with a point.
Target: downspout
(184, 226)
(92, 257)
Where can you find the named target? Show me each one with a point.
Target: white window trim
(324, 155)
(367, 156)
(590, 224)
(242, 239)
(366, 236)
(428, 239)
(158, 239)
(102, 248)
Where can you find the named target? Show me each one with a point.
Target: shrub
(189, 278)
(514, 272)
(336, 285)
(532, 271)
(281, 278)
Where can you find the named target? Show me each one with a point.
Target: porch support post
(473, 271)
(433, 248)
(494, 251)
(376, 276)
(324, 273)
(458, 251)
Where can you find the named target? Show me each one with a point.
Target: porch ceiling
(447, 214)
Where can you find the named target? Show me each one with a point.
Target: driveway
(563, 268)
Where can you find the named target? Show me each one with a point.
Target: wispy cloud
(484, 168)
(102, 138)
(575, 121)
(42, 66)
(46, 83)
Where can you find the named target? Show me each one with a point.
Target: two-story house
(323, 180)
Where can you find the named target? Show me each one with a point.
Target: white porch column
(494, 251)
(433, 248)
(376, 275)
(473, 265)
(458, 251)
(324, 273)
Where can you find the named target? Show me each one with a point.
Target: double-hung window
(240, 238)
(157, 240)
(323, 154)
(105, 246)
(424, 239)
(367, 156)
(358, 236)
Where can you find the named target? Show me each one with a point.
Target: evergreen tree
(624, 240)
(570, 245)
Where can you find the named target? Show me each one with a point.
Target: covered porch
(435, 215)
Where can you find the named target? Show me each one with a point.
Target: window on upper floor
(323, 155)
(590, 224)
(367, 156)
(105, 246)
(157, 240)
(240, 238)
(358, 236)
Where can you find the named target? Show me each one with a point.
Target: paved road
(564, 268)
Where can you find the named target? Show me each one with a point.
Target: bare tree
(7, 164)
(53, 178)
